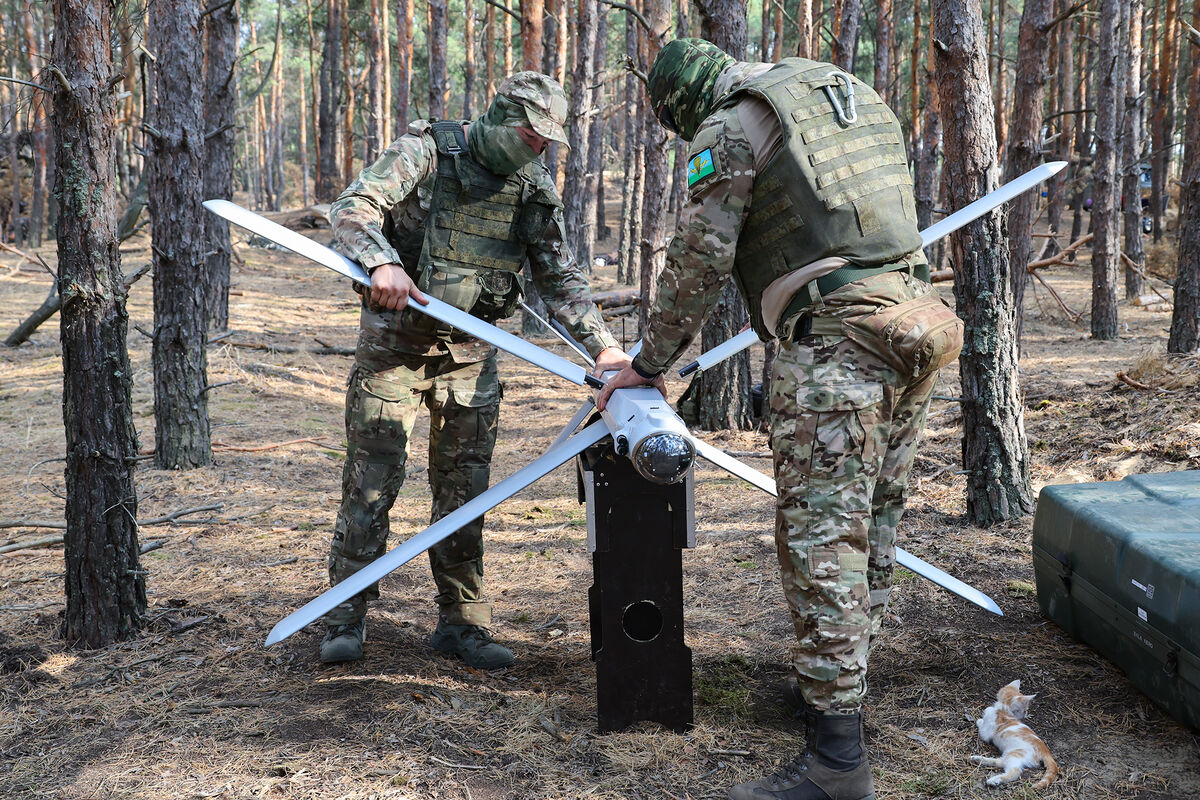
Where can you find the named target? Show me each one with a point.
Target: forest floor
(196, 707)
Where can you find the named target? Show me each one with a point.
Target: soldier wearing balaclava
(798, 189)
(452, 209)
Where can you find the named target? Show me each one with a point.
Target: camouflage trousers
(845, 422)
(381, 410)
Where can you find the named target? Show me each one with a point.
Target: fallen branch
(1061, 257)
(1123, 378)
(44, 542)
(1129, 262)
(1074, 317)
(260, 448)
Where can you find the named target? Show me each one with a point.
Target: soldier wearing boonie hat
(452, 209)
(799, 189)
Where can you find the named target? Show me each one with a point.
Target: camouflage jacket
(701, 254)
(393, 194)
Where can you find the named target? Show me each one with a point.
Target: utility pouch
(450, 284)
(500, 292)
(915, 337)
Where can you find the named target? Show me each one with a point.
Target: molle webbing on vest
(832, 189)
(475, 215)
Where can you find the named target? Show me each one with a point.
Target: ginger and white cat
(1020, 748)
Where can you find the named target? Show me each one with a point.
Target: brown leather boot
(833, 765)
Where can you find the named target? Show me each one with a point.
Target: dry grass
(197, 708)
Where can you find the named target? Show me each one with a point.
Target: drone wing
(411, 548)
(443, 312)
(903, 557)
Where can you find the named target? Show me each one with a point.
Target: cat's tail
(1051, 772)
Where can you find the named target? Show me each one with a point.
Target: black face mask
(663, 113)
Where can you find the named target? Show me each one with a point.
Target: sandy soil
(195, 707)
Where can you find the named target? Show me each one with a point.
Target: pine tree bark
(845, 43)
(995, 452)
(723, 391)
(532, 15)
(1185, 317)
(657, 175)
(804, 29)
(105, 585)
(372, 129)
(883, 47)
(469, 67)
(596, 146)
(1025, 138)
(579, 195)
(182, 437)
(37, 131)
(439, 86)
(220, 103)
(1106, 245)
(404, 54)
(1131, 151)
(1164, 117)
(329, 184)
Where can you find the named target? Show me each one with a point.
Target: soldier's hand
(626, 378)
(611, 359)
(391, 288)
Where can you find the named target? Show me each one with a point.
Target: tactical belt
(813, 291)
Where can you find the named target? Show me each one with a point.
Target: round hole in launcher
(642, 621)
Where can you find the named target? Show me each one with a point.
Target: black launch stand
(636, 533)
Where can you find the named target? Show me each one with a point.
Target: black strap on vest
(449, 138)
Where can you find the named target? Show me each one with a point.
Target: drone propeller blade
(903, 557)
(443, 312)
(410, 549)
(938, 230)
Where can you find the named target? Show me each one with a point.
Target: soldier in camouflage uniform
(452, 210)
(798, 187)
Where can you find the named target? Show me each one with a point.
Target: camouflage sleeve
(700, 256)
(565, 288)
(357, 216)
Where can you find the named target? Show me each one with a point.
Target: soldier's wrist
(643, 371)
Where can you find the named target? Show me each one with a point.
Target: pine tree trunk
(489, 52)
(1106, 245)
(372, 133)
(439, 87)
(404, 54)
(469, 67)
(723, 392)
(1001, 73)
(37, 130)
(1162, 126)
(883, 46)
(105, 585)
(596, 159)
(995, 453)
(579, 195)
(657, 175)
(180, 301)
(1185, 317)
(928, 178)
(329, 184)
(1025, 138)
(220, 103)
(302, 125)
(1131, 151)
(845, 43)
(804, 29)
(532, 14)
(628, 252)
(313, 110)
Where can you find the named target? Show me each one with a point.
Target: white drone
(642, 424)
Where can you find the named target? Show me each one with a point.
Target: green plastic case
(1117, 565)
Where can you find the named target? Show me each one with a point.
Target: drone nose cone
(664, 457)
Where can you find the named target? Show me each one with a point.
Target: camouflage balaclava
(524, 100)
(681, 83)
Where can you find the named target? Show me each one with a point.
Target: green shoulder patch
(701, 166)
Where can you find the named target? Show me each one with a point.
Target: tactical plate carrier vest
(475, 236)
(833, 188)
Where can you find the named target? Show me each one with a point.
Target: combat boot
(833, 765)
(344, 642)
(472, 644)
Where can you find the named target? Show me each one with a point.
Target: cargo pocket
(377, 412)
(841, 422)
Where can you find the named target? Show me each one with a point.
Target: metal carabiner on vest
(847, 118)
